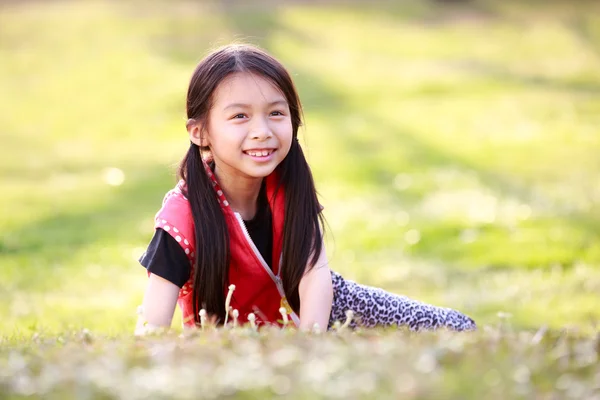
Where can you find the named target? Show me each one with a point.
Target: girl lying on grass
(245, 213)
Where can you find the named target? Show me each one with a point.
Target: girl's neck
(241, 193)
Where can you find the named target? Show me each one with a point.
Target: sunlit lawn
(455, 149)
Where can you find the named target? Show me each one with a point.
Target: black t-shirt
(166, 258)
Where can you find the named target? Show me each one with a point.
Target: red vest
(258, 289)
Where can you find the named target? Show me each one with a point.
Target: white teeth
(262, 153)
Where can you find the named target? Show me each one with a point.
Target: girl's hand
(316, 294)
(158, 306)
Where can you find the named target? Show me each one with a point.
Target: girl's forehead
(246, 87)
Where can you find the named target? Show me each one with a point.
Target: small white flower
(284, 315)
(235, 314)
(252, 319)
(349, 316)
(227, 301)
(316, 328)
(202, 315)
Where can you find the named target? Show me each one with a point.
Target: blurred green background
(455, 146)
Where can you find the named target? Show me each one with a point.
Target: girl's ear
(197, 133)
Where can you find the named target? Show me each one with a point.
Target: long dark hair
(303, 223)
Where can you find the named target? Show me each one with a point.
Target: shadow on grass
(582, 26)
(499, 73)
(115, 219)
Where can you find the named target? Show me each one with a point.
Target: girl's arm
(316, 294)
(158, 306)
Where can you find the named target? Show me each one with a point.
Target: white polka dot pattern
(220, 195)
(188, 287)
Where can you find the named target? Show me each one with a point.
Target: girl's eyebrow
(244, 105)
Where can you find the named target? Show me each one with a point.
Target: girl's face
(249, 128)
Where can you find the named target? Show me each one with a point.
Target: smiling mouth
(259, 153)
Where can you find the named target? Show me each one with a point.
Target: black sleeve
(165, 257)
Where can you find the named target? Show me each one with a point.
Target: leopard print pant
(376, 307)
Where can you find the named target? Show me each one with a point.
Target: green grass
(455, 147)
(495, 363)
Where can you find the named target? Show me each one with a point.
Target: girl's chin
(258, 173)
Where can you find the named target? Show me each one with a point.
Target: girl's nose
(261, 131)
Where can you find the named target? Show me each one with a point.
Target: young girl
(245, 213)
